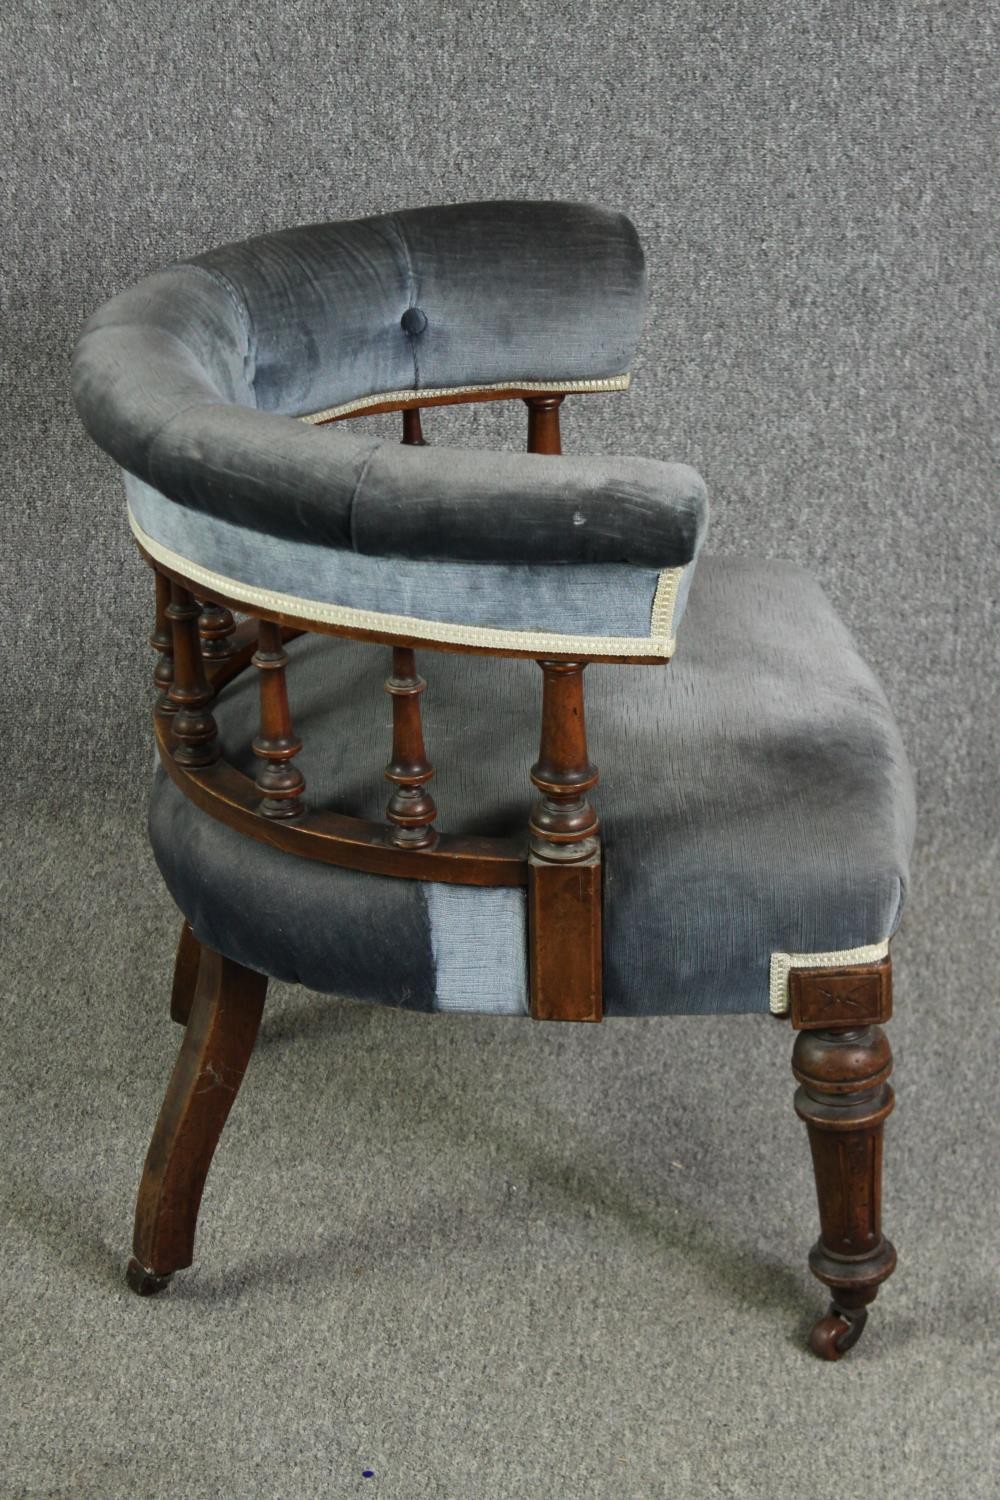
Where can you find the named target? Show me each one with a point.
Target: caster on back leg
(838, 1331)
(145, 1283)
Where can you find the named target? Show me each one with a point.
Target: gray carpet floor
(472, 1257)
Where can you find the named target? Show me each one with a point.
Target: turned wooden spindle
(190, 694)
(162, 642)
(280, 783)
(411, 808)
(215, 631)
(543, 423)
(844, 1098)
(563, 824)
(413, 433)
(564, 858)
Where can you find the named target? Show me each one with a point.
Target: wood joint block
(564, 926)
(856, 996)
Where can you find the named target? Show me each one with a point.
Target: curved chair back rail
(213, 384)
(287, 618)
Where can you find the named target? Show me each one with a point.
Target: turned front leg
(844, 1098)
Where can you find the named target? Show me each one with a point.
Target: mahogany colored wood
(543, 423)
(563, 823)
(564, 908)
(335, 839)
(215, 631)
(244, 644)
(185, 976)
(190, 693)
(413, 434)
(300, 625)
(844, 1098)
(564, 925)
(218, 1041)
(411, 808)
(280, 783)
(821, 998)
(162, 642)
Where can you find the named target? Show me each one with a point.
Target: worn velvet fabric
(754, 797)
(191, 378)
(614, 600)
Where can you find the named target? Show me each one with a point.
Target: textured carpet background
(482, 1259)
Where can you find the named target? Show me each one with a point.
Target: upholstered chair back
(190, 379)
(318, 317)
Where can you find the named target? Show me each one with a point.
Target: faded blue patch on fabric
(603, 599)
(479, 940)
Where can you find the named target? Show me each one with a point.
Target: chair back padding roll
(313, 317)
(190, 379)
(465, 294)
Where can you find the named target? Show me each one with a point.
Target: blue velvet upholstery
(507, 290)
(189, 378)
(755, 798)
(192, 380)
(612, 601)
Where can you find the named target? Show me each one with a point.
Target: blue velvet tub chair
(747, 850)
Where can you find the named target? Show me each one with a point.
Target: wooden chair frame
(841, 1058)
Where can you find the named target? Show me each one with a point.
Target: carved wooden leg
(185, 976)
(225, 1014)
(844, 1098)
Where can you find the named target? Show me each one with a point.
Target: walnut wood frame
(842, 1063)
(841, 1058)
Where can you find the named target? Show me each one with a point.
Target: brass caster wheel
(145, 1283)
(839, 1331)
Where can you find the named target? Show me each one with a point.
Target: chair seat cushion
(755, 801)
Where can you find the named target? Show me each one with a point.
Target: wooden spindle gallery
(411, 810)
(190, 693)
(279, 780)
(215, 631)
(162, 642)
